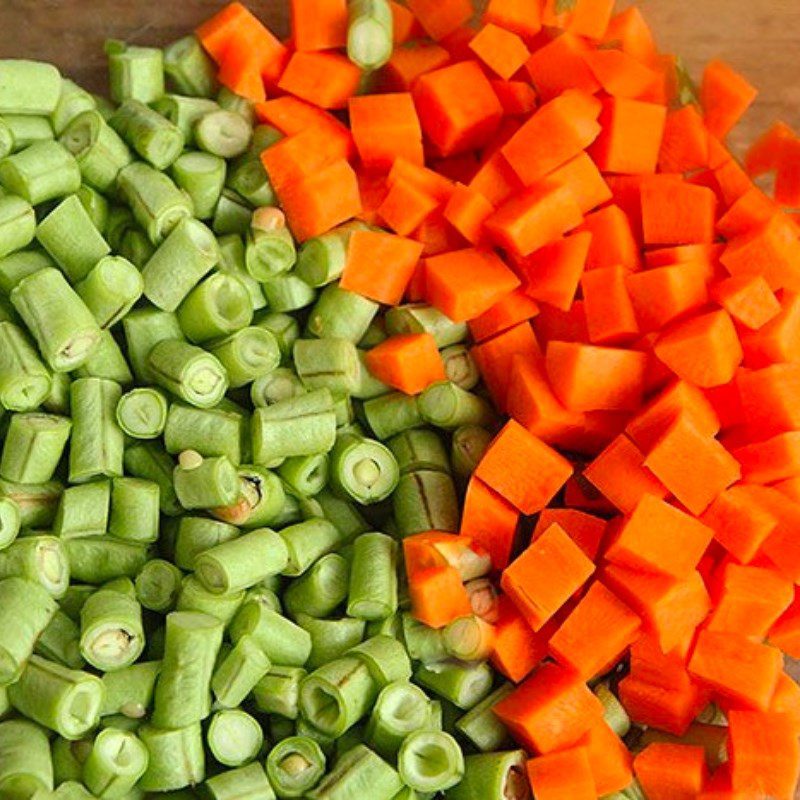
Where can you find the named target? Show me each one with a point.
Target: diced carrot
(750, 211)
(319, 24)
(437, 235)
(465, 283)
(517, 649)
(520, 16)
(631, 137)
(589, 18)
(671, 771)
(297, 157)
(703, 350)
(240, 72)
(789, 488)
(650, 664)
(666, 709)
(786, 700)
(781, 550)
(554, 324)
(620, 74)
(321, 201)
(787, 181)
(579, 493)
(558, 132)
(534, 218)
(566, 775)
(495, 180)
(750, 601)
(559, 65)
(725, 96)
(552, 710)
(748, 299)
(373, 191)
(457, 43)
(682, 254)
(610, 760)
(586, 530)
(584, 180)
(777, 341)
(438, 596)
(736, 667)
(626, 193)
(458, 169)
(772, 460)
(490, 521)
(405, 207)
(613, 240)
(410, 62)
(609, 311)
(408, 362)
(380, 265)
(678, 399)
(620, 474)
(440, 19)
(467, 210)
(327, 80)
(629, 31)
(589, 378)
(539, 473)
(517, 98)
(457, 107)
(405, 26)
(658, 537)
(764, 754)
(785, 633)
(386, 127)
(730, 181)
(507, 313)
(597, 632)
(741, 521)
(684, 147)
(503, 51)
(764, 154)
(552, 274)
(674, 212)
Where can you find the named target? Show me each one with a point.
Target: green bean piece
(464, 685)
(234, 737)
(74, 598)
(142, 413)
(232, 262)
(232, 214)
(134, 510)
(198, 534)
(6, 139)
(17, 223)
(321, 590)
(129, 691)
(306, 475)
(27, 130)
(468, 445)
(330, 638)
(72, 101)
(284, 328)
(401, 709)
(430, 761)
(106, 361)
(179, 264)
(25, 381)
(202, 483)
(421, 318)
(239, 672)
(134, 72)
(176, 757)
(369, 387)
(287, 292)
(285, 643)
(102, 558)
(469, 638)
(28, 87)
(297, 426)
(116, 762)
(25, 764)
(34, 444)
(363, 469)
(358, 773)
(112, 636)
(37, 504)
(20, 264)
(231, 101)
(280, 384)
(322, 259)
(70, 237)
(10, 521)
(244, 782)
(460, 367)
(60, 642)
(419, 449)
(57, 402)
(494, 776)
(223, 133)
(327, 363)
(211, 432)
(278, 692)
(343, 514)
(614, 712)
(68, 759)
(189, 372)
(97, 444)
(83, 511)
(482, 727)
(158, 205)
(386, 659)
(447, 406)
(96, 206)
(249, 179)
(242, 562)
(425, 501)
(39, 559)
(201, 176)
(100, 152)
(247, 354)
(218, 306)
(158, 585)
(44, 171)
(295, 766)
(64, 700)
(391, 414)
(189, 68)
(195, 597)
(144, 329)
(373, 579)
(184, 112)
(269, 252)
(375, 334)
(111, 289)
(423, 643)
(306, 542)
(157, 140)
(149, 461)
(183, 693)
(28, 609)
(370, 33)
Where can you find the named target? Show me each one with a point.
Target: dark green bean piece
(421, 318)
(202, 483)
(322, 259)
(201, 176)
(184, 112)
(321, 590)
(234, 102)
(232, 262)
(232, 214)
(425, 501)
(295, 766)
(386, 659)
(423, 643)
(327, 363)
(482, 727)
(157, 140)
(148, 460)
(198, 534)
(493, 776)
(464, 685)
(189, 68)
(158, 585)
(249, 179)
(306, 542)
(144, 328)
(373, 579)
(287, 292)
(468, 445)
(419, 449)
(391, 414)
(330, 638)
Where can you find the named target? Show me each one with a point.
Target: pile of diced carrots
(633, 293)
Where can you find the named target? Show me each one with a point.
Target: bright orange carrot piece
(684, 147)
(517, 649)
(546, 575)
(495, 180)
(586, 530)
(772, 460)
(438, 596)
(581, 176)
(785, 633)
(405, 26)
(438, 236)
(319, 24)
(426, 180)
(467, 210)
(240, 71)
(589, 18)
(748, 299)
(503, 51)
(609, 759)
(749, 212)
(489, 520)
(787, 181)
(629, 31)
(380, 265)
(405, 207)
(507, 313)
(566, 775)
(517, 98)
(407, 362)
(786, 700)
(552, 710)
(520, 16)
(588, 378)
(559, 65)
(725, 96)
(674, 212)
(465, 283)
(609, 311)
(671, 771)
(620, 74)
(613, 241)
(386, 127)
(457, 107)
(440, 19)
(764, 154)
(704, 350)
(666, 709)
(327, 79)
(650, 664)
(523, 469)
(408, 63)
(779, 339)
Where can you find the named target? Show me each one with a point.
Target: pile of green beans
(203, 490)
